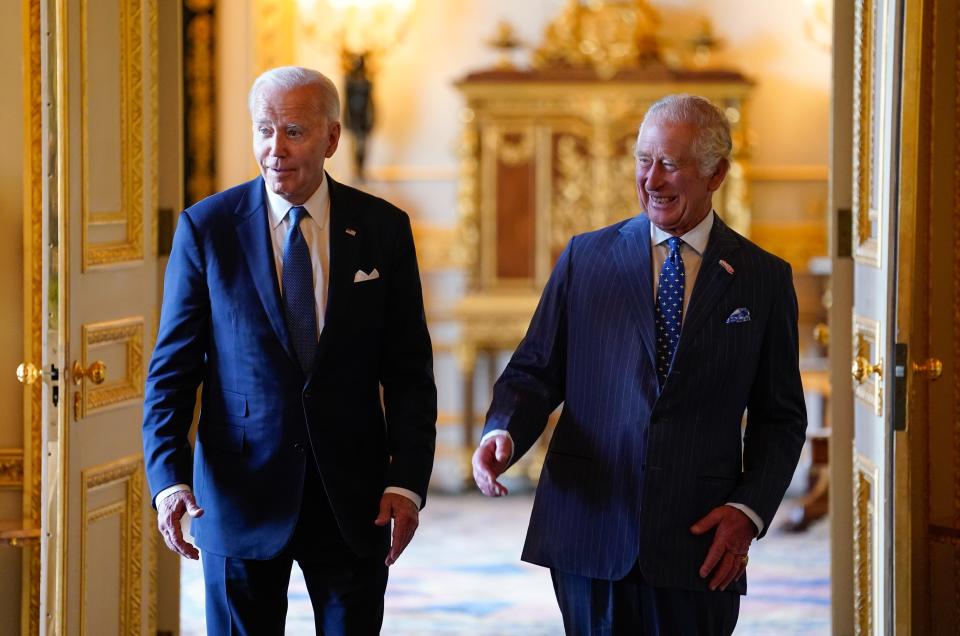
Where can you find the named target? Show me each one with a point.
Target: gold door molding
(153, 33)
(113, 235)
(864, 542)
(867, 68)
(866, 351)
(122, 384)
(124, 480)
(33, 306)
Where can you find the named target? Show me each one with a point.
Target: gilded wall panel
(114, 492)
(122, 341)
(866, 135)
(33, 301)
(112, 132)
(864, 544)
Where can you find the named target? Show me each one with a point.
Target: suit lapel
(633, 259)
(712, 279)
(253, 235)
(345, 246)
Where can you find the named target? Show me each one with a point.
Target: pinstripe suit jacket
(630, 468)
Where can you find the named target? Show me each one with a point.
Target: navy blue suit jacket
(262, 418)
(630, 468)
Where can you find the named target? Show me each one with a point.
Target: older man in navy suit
(656, 334)
(296, 302)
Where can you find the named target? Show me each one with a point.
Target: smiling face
(671, 189)
(291, 139)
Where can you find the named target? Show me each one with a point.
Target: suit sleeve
(776, 412)
(409, 390)
(532, 385)
(177, 366)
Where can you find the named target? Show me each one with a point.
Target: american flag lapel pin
(351, 231)
(725, 265)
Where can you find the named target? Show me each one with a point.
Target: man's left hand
(727, 557)
(405, 517)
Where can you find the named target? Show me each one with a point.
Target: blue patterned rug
(462, 575)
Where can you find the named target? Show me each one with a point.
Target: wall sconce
(364, 30)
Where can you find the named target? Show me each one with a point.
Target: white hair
(711, 142)
(290, 77)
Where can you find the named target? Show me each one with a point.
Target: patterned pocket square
(362, 277)
(739, 315)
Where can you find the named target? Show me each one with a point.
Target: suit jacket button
(307, 395)
(298, 446)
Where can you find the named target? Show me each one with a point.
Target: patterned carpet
(462, 576)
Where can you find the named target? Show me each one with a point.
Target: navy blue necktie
(299, 300)
(669, 308)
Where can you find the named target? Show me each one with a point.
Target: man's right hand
(169, 514)
(489, 461)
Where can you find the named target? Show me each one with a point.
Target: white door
(875, 164)
(101, 197)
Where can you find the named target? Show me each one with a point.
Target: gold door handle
(931, 368)
(28, 373)
(862, 368)
(96, 372)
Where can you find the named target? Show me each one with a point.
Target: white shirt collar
(317, 206)
(696, 238)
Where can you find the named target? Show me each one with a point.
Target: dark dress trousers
(630, 468)
(267, 429)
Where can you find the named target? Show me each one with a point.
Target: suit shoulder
(601, 236)
(370, 206)
(219, 205)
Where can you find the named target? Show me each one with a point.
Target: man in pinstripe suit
(652, 491)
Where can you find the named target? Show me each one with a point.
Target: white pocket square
(739, 315)
(362, 277)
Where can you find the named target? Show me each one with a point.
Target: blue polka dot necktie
(669, 308)
(299, 300)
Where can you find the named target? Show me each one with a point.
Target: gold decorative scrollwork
(866, 215)
(572, 192)
(466, 250)
(128, 333)
(11, 468)
(864, 485)
(605, 36)
(153, 17)
(514, 147)
(33, 298)
(127, 473)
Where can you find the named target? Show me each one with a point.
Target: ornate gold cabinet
(547, 154)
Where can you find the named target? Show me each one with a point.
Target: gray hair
(711, 143)
(291, 77)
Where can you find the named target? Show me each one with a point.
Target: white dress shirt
(315, 227)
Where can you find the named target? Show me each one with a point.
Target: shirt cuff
(500, 431)
(166, 492)
(409, 494)
(754, 517)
